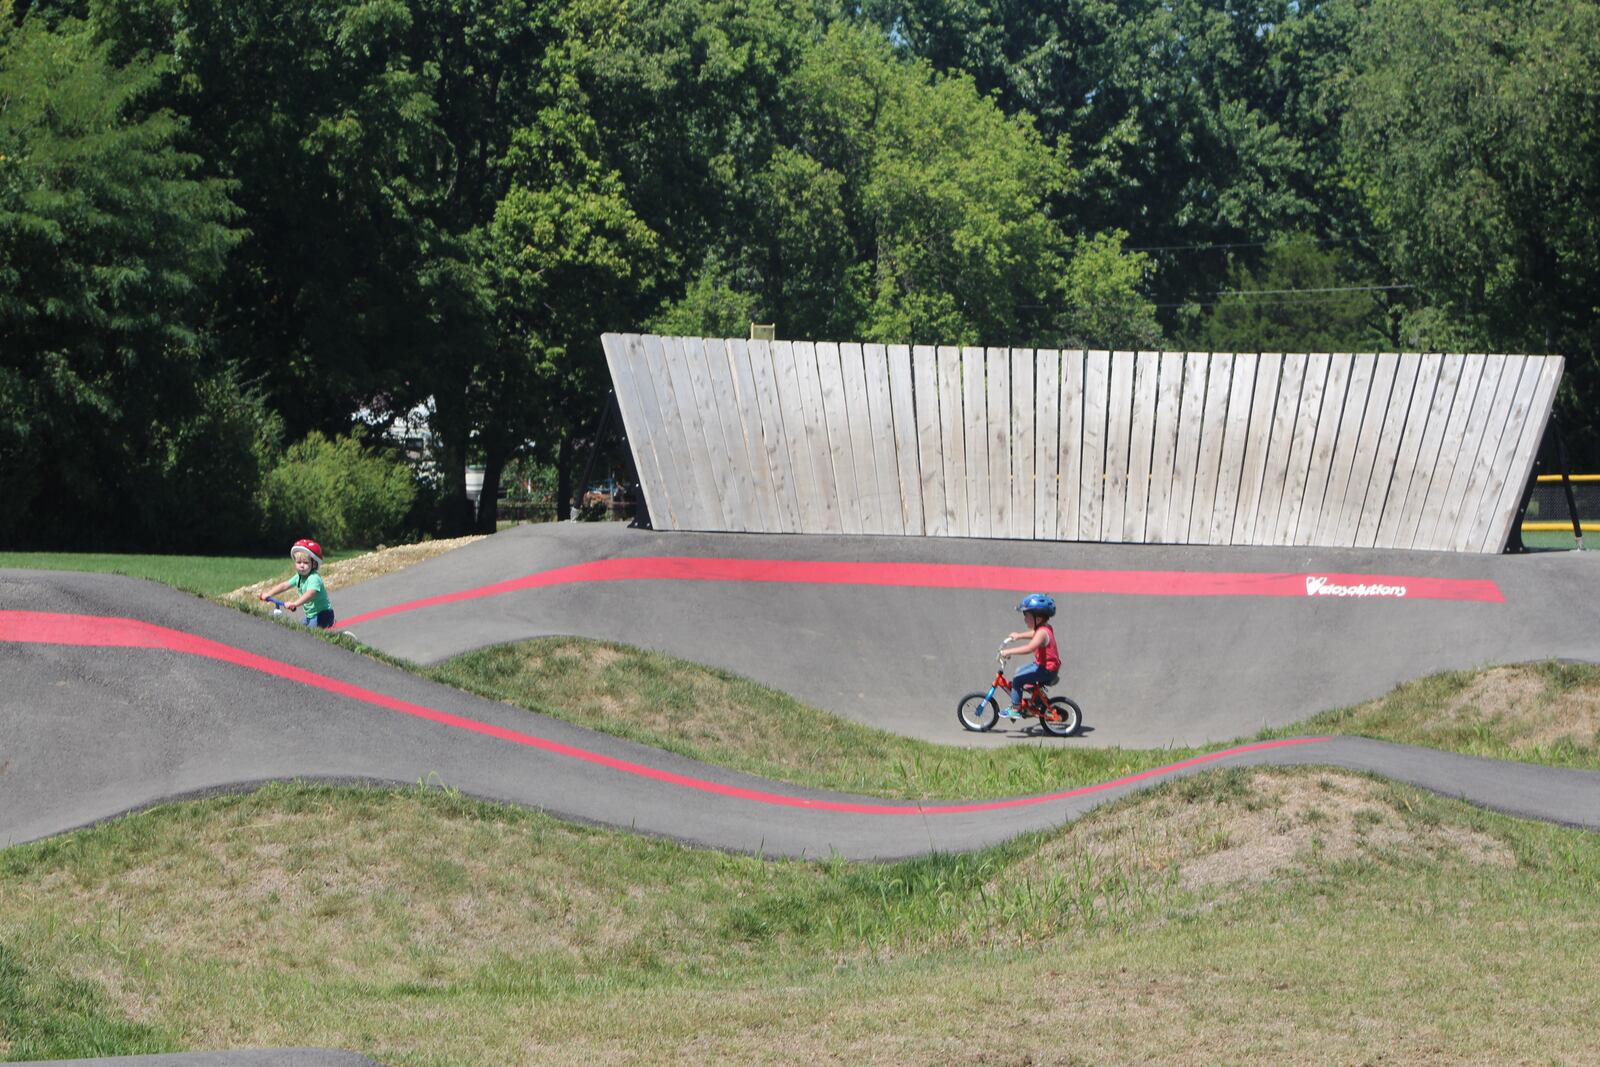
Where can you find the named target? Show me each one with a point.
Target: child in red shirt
(1037, 610)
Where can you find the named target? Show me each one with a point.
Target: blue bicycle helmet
(1039, 604)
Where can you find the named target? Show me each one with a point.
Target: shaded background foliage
(225, 225)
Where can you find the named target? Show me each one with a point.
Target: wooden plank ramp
(1367, 450)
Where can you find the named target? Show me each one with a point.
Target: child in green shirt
(307, 585)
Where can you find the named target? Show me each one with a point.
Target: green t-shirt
(319, 594)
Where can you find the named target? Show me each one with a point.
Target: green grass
(1556, 540)
(721, 718)
(1252, 916)
(1535, 713)
(45, 1015)
(205, 575)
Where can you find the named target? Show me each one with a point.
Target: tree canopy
(228, 224)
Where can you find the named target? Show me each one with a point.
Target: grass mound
(1288, 915)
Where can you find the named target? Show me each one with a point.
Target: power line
(1333, 289)
(1240, 244)
(1318, 295)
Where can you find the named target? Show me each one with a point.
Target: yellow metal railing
(1566, 525)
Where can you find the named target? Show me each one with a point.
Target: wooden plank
(1258, 445)
(1236, 434)
(1096, 401)
(723, 401)
(953, 435)
(1498, 529)
(881, 444)
(836, 410)
(791, 396)
(1471, 370)
(819, 447)
(1024, 419)
(1401, 531)
(975, 404)
(1213, 433)
(930, 441)
(997, 376)
(1457, 453)
(636, 418)
(750, 423)
(1047, 445)
(687, 503)
(713, 513)
(1423, 396)
(1345, 446)
(1329, 420)
(775, 437)
(1164, 445)
(1119, 429)
(1297, 469)
(1346, 515)
(1275, 474)
(1490, 465)
(728, 466)
(1381, 477)
(1186, 461)
(908, 459)
(864, 501)
(1146, 370)
(1070, 463)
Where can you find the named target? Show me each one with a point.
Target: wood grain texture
(1406, 450)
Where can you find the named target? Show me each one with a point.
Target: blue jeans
(1032, 674)
(322, 620)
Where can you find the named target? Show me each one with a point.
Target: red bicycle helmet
(309, 547)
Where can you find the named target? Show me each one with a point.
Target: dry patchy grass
(1535, 712)
(382, 560)
(1293, 916)
(1540, 714)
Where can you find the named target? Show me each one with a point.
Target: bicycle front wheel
(978, 712)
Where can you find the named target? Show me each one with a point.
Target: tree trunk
(450, 451)
(564, 503)
(494, 462)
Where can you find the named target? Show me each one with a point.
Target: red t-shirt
(1047, 655)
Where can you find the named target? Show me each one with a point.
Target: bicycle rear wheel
(978, 712)
(1068, 718)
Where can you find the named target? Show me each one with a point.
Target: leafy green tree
(1473, 130)
(108, 242)
(565, 258)
(711, 307)
(338, 492)
(1191, 124)
(1301, 298)
(832, 186)
(945, 199)
(360, 138)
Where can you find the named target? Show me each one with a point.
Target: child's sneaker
(1012, 712)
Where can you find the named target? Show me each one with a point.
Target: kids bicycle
(1059, 716)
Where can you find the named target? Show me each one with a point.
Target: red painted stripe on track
(1303, 585)
(41, 627)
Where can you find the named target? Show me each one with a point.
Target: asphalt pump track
(122, 694)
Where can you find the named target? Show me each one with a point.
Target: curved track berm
(126, 694)
(1168, 645)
